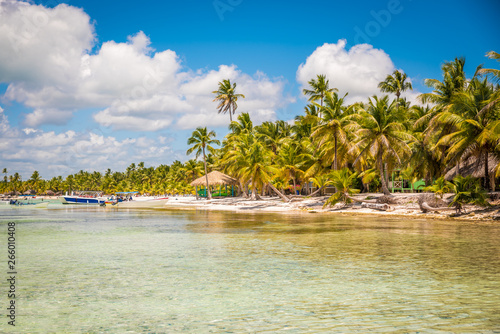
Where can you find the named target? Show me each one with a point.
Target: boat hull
(138, 204)
(81, 200)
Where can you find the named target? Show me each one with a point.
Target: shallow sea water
(96, 270)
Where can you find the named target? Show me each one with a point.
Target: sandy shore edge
(407, 206)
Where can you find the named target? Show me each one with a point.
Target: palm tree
(272, 134)
(343, 181)
(494, 72)
(331, 132)
(227, 98)
(14, 181)
(395, 83)
(454, 80)
(201, 140)
(467, 191)
(35, 181)
(319, 88)
(192, 169)
(425, 161)
(440, 187)
(471, 113)
(290, 161)
(243, 124)
(253, 163)
(381, 134)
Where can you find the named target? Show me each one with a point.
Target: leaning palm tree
(395, 83)
(227, 98)
(201, 140)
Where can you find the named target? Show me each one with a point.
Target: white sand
(406, 206)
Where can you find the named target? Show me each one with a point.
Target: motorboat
(84, 197)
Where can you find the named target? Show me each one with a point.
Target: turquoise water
(95, 270)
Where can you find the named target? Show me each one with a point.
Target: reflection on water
(98, 270)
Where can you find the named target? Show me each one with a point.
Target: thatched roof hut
(473, 167)
(50, 193)
(215, 178)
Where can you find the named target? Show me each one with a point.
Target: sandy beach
(405, 205)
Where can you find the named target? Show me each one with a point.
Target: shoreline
(406, 207)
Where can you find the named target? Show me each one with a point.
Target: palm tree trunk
(283, 197)
(486, 172)
(241, 189)
(335, 158)
(385, 190)
(255, 195)
(317, 191)
(209, 195)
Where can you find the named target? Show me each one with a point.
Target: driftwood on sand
(377, 206)
(429, 202)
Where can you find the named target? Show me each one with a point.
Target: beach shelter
(217, 180)
(475, 168)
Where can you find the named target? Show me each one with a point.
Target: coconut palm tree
(332, 130)
(381, 134)
(395, 83)
(227, 97)
(494, 72)
(467, 191)
(290, 162)
(253, 163)
(440, 187)
(454, 80)
(272, 134)
(192, 169)
(201, 140)
(319, 88)
(425, 161)
(471, 113)
(343, 181)
(35, 181)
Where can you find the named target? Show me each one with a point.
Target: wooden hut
(475, 168)
(217, 181)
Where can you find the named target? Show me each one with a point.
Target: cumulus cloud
(356, 71)
(67, 152)
(46, 61)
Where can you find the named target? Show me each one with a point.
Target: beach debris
(429, 202)
(377, 206)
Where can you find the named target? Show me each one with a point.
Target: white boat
(84, 197)
(138, 203)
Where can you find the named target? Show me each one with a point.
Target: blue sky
(97, 84)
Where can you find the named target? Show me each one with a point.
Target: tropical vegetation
(332, 145)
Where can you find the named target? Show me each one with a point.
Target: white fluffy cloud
(67, 152)
(357, 71)
(46, 61)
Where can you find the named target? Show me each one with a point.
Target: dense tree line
(329, 143)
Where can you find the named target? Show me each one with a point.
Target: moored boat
(139, 203)
(84, 197)
(128, 201)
